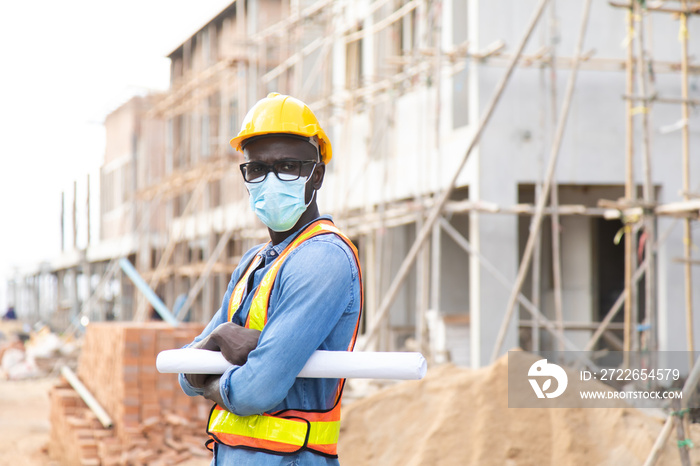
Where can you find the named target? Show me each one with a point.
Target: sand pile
(458, 416)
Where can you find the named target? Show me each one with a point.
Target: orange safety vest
(288, 431)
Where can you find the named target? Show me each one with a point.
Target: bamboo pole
(689, 388)
(281, 28)
(537, 219)
(298, 68)
(660, 442)
(683, 10)
(436, 12)
(685, 134)
(87, 397)
(361, 223)
(664, 100)
(554, 200)
(630, 192)
(388, 21)
(170, 247)
(319, 66)
(680, 432)
(295, 60)
(537, 252)
(421, 292)
(437, 39)
(579, 325)
(111, 269)
(194, 291)
(440, 204)
(648, 193)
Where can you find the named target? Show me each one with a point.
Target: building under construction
(514, 173)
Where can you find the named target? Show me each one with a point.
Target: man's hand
(212, 393)
(209, 383)
(234, 342)
(201, 381)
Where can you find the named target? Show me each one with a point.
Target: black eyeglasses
(285, 170)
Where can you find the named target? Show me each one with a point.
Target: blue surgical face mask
(279, 204)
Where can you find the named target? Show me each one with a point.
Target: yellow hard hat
(279, 113)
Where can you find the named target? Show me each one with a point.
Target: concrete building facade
(401, 87)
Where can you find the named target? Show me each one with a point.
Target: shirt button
(273, 253)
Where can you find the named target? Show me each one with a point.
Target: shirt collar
(272, 251)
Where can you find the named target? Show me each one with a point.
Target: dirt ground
(457, 416)
(25, 427)
(24, 421)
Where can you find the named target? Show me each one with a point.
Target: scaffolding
(242, 52)
(393, 48)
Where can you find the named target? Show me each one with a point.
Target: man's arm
(194, 384)
(233, 341)
(316, 288)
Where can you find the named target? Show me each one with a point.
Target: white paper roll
(321, 364)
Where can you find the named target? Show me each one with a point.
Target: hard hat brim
(324, 148)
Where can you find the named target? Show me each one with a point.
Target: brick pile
(73, 429)
(154, 422)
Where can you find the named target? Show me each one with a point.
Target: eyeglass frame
(271, 168)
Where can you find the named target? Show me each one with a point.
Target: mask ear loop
(313, 140)
(314, 193)
(310, 200)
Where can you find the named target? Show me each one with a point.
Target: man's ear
(318, 175)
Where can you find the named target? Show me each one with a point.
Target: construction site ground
(25, 426)
(454, 416)
(469, 433)
(24, 421)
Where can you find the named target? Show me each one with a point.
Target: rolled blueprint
(321, 364)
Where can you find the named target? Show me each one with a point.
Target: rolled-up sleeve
(317, 286)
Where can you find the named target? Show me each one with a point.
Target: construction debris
(26, 354)
(154, 421)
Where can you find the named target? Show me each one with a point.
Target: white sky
(65, 65)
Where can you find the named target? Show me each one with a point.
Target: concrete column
(75, 299)
(252, 27)
(368, 51)
(495, 236)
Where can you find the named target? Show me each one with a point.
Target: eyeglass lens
(286, 170)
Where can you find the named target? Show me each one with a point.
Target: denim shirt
(314, 305)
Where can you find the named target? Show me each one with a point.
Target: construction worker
(298, 293)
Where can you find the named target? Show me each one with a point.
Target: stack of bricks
(154, 421)
(73, 428)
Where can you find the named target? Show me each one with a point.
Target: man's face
(271, 149)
